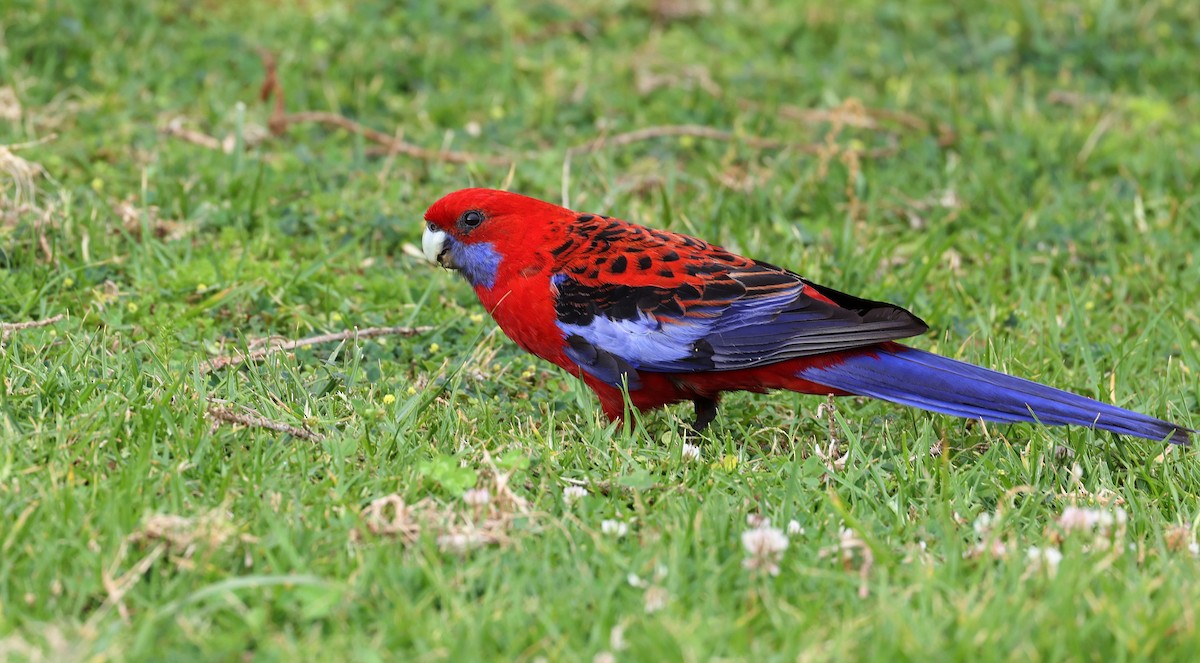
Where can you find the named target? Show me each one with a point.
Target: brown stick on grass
(9, 328)
(256, 420)
(264, 346)
(711, 133)
(281, 120)
(391, 145)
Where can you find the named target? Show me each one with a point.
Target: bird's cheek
(436, 248)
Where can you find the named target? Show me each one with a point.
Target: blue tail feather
(913, 377)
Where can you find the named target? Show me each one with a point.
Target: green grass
(1041, 215)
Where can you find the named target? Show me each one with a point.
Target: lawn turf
(1021, 175)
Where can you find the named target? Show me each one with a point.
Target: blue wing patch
(741, 319)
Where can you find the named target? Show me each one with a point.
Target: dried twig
(176, 129)
(9, 328)
(389, 144)
(824, 150)
(264, 346)
(281, 120)
(854, 115)
(43, 241)
(256, 420)
(693, 131)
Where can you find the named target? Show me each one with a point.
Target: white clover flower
(794, 528)
(1074, 517)
(1045, 558)
(459, 542)
(616, 637)
(656, 599)
(477, 497)
(764, 548)
(690, 453)
(1102, 521)
(572, 494)
(756, 520)
(983, 523)
(995, 548)
(613, 528)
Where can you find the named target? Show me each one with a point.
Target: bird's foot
(706, 412)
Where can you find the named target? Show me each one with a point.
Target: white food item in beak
(433, 243)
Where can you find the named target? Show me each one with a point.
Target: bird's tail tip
(921, 379)
(1181, 436)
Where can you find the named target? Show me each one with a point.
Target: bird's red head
(476, 230)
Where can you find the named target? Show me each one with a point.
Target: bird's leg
(706, 411)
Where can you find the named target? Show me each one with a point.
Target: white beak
(433, 243)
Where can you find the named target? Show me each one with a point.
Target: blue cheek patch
(477, 262)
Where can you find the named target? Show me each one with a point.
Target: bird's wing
(631, 299)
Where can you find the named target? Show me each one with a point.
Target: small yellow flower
(335, 316)
(476, 318)
(388, 399)
(412, 391)
(132, 307)
(97, 184)
(200, 287)
(434, 348)
(729, 462)
(68, 282)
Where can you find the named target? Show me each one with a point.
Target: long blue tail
(913, 377)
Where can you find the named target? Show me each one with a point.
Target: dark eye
(472, 218)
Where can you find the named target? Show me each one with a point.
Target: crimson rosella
(669, 318)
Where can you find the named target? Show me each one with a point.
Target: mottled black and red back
(603, 248)
(667, 302)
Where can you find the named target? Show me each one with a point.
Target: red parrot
(671, 318)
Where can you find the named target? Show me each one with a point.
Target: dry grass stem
(262, 347)
(390, 145)
(851, 546)
(175, 129)
(9, 328)
(457, 527)
(177, 536)
(256, 420)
